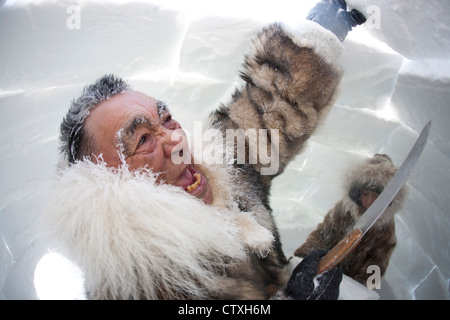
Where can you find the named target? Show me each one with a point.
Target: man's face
(141, 129)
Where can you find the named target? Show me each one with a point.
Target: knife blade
(378, 207)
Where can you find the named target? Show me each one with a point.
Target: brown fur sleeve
(288, 87)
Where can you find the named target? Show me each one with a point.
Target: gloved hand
(305, 284)
(333, 15)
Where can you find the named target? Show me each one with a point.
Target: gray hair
(75, 142)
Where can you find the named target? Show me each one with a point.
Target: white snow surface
(189, 53)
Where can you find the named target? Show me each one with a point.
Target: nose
(174, 143)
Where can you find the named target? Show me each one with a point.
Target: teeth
(194, 186)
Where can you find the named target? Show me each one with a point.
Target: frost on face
(119, 145)
(128, 131)
(161, 107)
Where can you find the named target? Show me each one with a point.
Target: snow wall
(188, 53)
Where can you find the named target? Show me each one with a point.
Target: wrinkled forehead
(117, 110)
(130, 101)
(141, 110)
(110, 116)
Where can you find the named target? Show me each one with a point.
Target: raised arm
(291, 81)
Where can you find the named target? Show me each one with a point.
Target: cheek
(154, 161)
(367, 198)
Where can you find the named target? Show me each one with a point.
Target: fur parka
(137, 239)
(376, 247)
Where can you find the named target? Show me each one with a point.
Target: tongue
(188, 174)
(187, 178)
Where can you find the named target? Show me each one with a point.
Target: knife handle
(340, 251)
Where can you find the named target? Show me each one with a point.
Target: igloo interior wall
(189, 53)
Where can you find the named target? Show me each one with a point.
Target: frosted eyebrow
(162, 106)
(134, 123)
(126, 133)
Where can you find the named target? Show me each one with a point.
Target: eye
(142, 141)
(169, 123)
(146, 144)
(168, 118)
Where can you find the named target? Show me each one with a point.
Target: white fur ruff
(134, 238)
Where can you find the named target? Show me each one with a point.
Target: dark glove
(333, 15)
(305, 284)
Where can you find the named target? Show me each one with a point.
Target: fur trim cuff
(312, 35)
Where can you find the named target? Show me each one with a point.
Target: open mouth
(191, 180)
(197, 181)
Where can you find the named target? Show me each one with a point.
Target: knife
(367, 220)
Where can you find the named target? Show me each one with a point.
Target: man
(143, 226)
